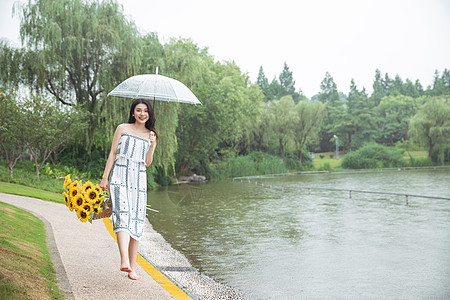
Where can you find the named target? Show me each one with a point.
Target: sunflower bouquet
(86, 199)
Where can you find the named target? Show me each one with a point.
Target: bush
(256, 163)
(373, 156)
(292, 163)
(420, 162)
(325, 167)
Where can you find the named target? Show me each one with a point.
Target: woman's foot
(133, 275)
(125, 269)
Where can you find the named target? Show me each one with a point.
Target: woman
(132, 151)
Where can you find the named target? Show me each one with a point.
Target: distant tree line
(383, 117)
(76, 51)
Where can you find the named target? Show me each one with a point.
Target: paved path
(85, 256)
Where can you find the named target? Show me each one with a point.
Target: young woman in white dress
(124, 177)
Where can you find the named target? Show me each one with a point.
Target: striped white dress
(128, 185)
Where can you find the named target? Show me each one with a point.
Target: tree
(387, 83)
(276, 90)
(378, 89)
(395, 112)
(328, 91)
(78, 51)
(46, 127)
(207, 132)
(283, 120)
(263, 84)
(446, 80)
(397, 87)
(11, 130)
(439, 87)
(431, 124)
(310, 117)
(287, 81)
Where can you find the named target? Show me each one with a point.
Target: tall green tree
(310, 117)
(378, 89)
(287, 80)
(439, 88)
(263, 84)
(46, 128)
(394, 114)
(79, 51)
(431, 124)
(410, 89)
(328, 91)
(283, 120)
(207, 132)
(12, 139)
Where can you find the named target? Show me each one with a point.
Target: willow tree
(310, 118)
(208, 131)
(284, 118)
(431, 125)
(80, 50)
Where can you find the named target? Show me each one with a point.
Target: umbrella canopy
(154, 87)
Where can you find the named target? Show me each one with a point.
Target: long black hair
(150, 124)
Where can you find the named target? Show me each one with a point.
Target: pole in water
(407, 203)
(350, 194)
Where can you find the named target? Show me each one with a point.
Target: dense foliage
(373, 156)
(76, 51)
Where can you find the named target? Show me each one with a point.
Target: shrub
(420, 162)
(325, 167)
(292, 163)
(256, 163)
(373, 156)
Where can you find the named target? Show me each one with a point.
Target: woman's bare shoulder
(123, 127)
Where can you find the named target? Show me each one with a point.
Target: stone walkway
(85, 256)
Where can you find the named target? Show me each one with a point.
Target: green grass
(325, 162)
(50, 179)
(26, 270)
(17, 189)
(321, 163)
(415, 155)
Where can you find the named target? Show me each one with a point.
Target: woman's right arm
(104, 184)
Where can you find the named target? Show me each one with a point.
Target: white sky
(347, 38)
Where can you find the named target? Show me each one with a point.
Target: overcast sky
(347, 38)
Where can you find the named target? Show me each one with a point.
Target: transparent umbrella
(155, 87)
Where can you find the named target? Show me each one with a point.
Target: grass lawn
(22, 190)
(26, 270)
(328, 158)
(415, 154)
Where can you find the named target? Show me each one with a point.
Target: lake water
(295, 244)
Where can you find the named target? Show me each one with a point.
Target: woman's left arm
(151, 150)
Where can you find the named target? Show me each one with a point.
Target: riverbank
(158, 259)
(85, 257)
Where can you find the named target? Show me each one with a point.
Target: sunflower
(67, 181)
(87, 207)
(75, 184)
(92, 196)
(96, 209)
(83, 215)
(73, 191)
(71, 207)
(78, 201)
(98, 189)
(87, 187)
(66, 198)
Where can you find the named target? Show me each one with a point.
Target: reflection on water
(290, 244)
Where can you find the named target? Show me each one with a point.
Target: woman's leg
(132, 252)
(123, 241)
